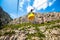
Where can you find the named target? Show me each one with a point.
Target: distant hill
(4, 17)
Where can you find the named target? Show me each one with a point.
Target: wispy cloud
(53, 9)
(21, 3)
(50, 3)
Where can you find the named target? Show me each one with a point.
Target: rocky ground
(43, 32)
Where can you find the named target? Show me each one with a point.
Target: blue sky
(10, 6)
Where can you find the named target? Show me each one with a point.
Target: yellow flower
(31, 16)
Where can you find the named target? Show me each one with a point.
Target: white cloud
(29, 8)
(40, 4)
(21, 3)
(37, 5)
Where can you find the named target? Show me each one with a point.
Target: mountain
(39, 18)
(43, 27)
(4, 17)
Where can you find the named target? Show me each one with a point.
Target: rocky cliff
(4, 17)
(39, 18)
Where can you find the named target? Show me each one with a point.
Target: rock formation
(4, 17)
(39, 18)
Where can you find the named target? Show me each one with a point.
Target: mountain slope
(43, 27)
(4, 17)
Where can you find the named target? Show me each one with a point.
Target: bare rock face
(4, 17)
(39, 18)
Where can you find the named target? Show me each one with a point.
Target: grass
(37, 34)
(9, 33)
(28, 24)
(54, 26)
